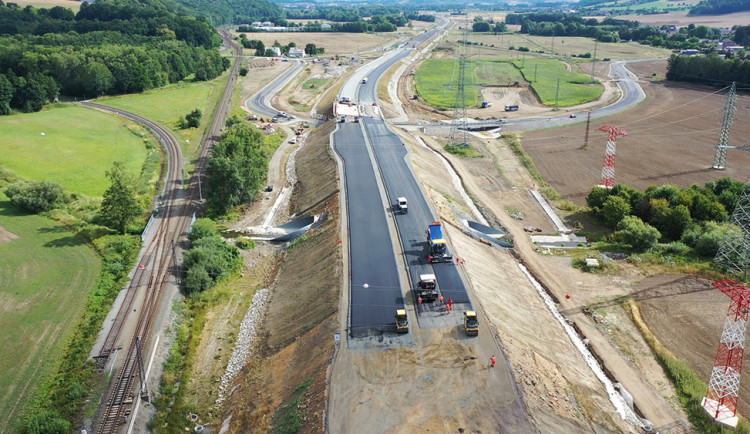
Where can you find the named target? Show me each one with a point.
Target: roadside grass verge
(288, 418)
(78, 146)
(543, 74)
(690, 388)
(462, 150)
(437, 83)
(514, 141)
(46, 272)
(315, 83)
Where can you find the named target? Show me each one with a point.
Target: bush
(194, 118)
(202, 228)
(47, 422)
(209, 261)
(37, 196)
(614, 210)
(707, 244)
(676, 248)
(244, 71)
(632, 231)
(246, 244)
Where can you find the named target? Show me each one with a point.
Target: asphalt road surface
(412, 226)
(375, 291)
(261, 102)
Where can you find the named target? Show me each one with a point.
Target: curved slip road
(261, 102)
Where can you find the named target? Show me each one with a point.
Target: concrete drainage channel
(622, 401)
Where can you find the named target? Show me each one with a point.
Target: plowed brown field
(672, 140)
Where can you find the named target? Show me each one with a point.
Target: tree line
(718, 7)
(109, 47)
(614, 30)
(482, 25)
(710, 69)
(694, 216)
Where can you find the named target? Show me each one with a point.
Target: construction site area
(578, 345)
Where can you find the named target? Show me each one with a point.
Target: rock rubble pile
(244, 342)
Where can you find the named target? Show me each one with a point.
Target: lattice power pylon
(720, 158)
(723, 387)
(608, 168)
(734, 251)
(459, 126)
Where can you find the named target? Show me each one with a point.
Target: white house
(325, 26)
(296, 52)
(276, 51)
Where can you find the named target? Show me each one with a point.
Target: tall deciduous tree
(120, 204)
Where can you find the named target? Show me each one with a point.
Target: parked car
(269, 188)
(572, 115)
(293, 141)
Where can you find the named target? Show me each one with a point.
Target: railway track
(144, 294)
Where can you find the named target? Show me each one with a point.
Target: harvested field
(682, 19)
(69, 4)
(333, 43)
(672, 139)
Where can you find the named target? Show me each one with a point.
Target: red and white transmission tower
(608, 169)
(724, 385)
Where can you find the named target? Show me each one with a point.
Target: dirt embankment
(287, 375)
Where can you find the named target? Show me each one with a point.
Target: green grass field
(437, 83)
(167, 105)
(45, 275)
(78, 146)
(497, 73)
(543, 74)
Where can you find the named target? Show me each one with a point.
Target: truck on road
(511, 108)
(438, 250)
(471, 323)
(427, 287)
(402, 207)
(402, 323)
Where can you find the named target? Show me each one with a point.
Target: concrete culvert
(198, 428)
(193, 417)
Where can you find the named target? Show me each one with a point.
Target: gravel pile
(243, 343)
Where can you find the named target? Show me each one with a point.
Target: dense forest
(108, 47)
(235, 11)
(718, 7)
(711, 69)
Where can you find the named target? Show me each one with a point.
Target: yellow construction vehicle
(402, 324)
(471, 323)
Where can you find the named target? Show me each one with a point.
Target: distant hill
(234, 11)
